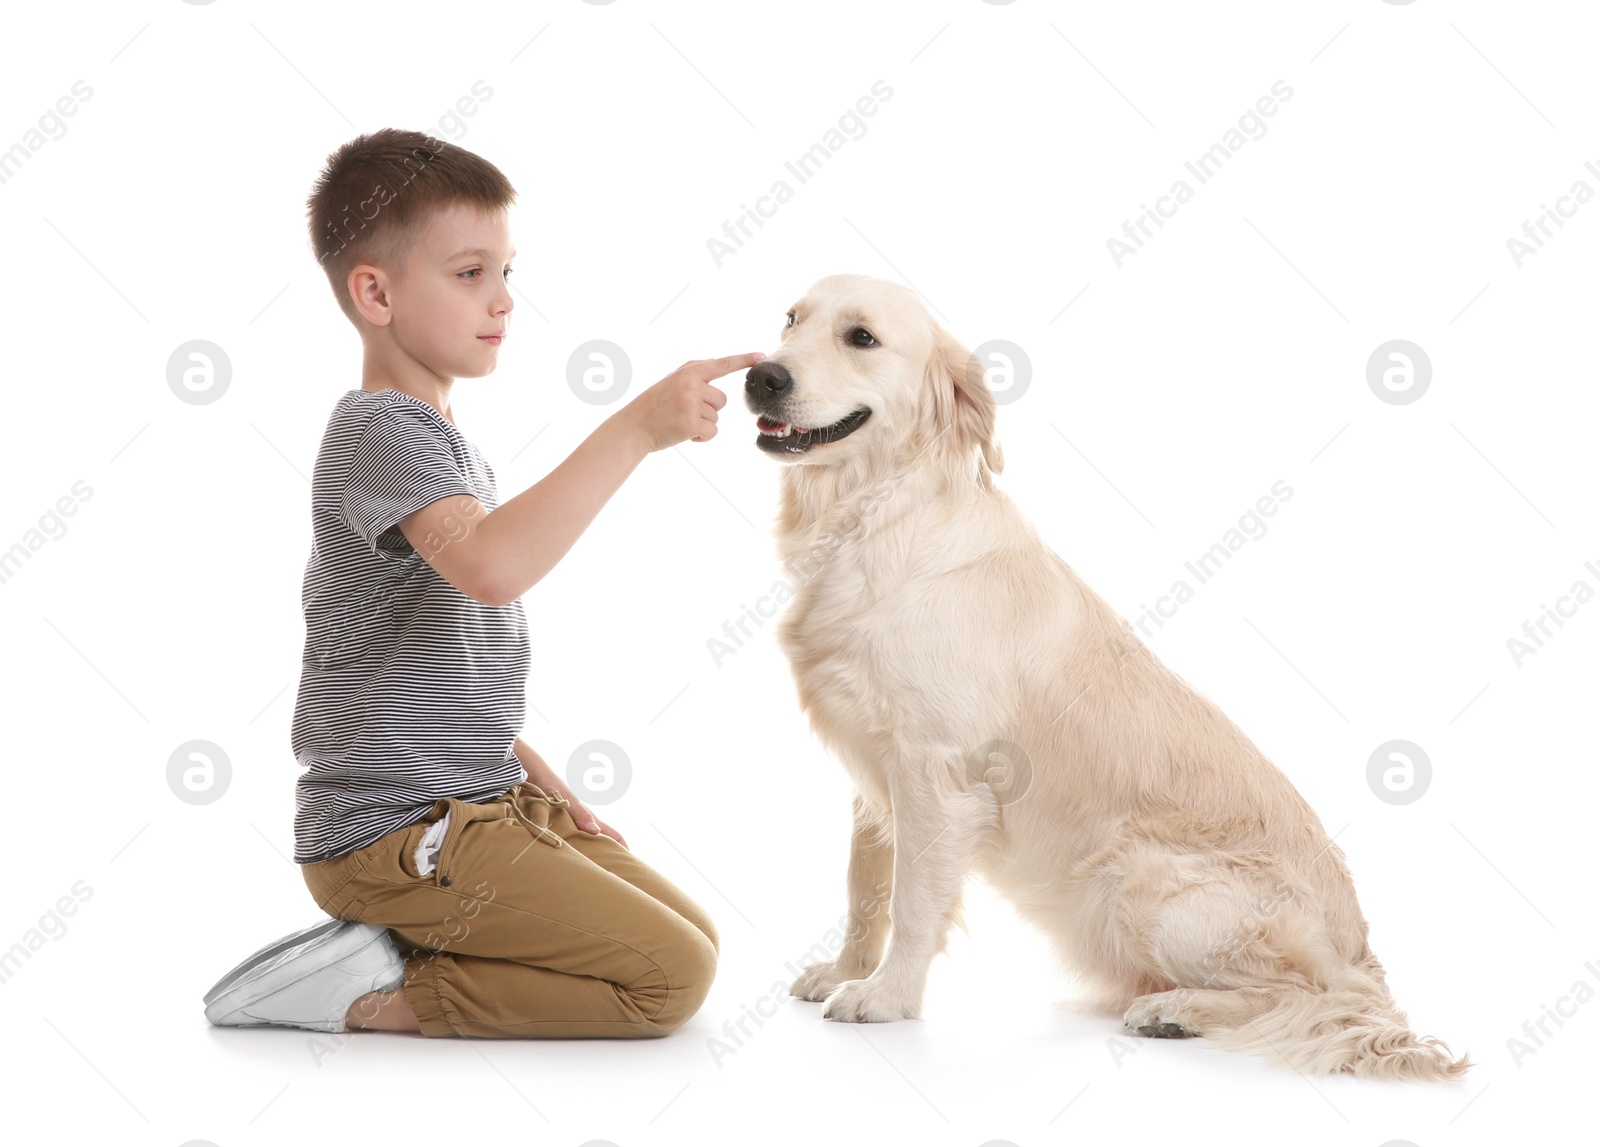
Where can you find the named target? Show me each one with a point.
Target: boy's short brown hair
(377, 190)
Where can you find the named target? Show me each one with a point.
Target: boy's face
(451, 292)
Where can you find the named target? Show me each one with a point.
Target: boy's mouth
(493, 340)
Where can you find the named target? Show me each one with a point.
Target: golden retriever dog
(997, 716)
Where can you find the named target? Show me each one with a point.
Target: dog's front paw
(818, 980)
(863, 1001)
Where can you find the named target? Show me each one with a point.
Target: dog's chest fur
(860, 654)
(831, 634)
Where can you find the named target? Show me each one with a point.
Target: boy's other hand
(586, 820)
(545, 777)
(683, 406)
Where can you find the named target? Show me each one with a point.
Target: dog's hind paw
(1165, 1031)
(1156, 1016)
(862, 1001)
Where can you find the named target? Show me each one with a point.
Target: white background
(1166, 398)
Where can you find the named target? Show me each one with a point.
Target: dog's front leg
(871, 868)
(938, 827)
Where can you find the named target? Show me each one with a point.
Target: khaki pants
(528, 927)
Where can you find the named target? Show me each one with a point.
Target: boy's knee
(703, 922)
(701, 919)
(691, 975)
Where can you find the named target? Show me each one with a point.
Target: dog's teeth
(785, 430)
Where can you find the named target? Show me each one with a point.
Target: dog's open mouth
(791, 439)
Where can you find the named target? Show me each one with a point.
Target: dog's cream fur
(997, 716)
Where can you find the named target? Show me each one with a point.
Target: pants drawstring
(539, 832)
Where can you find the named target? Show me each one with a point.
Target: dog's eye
(862, 337)
(790, 317)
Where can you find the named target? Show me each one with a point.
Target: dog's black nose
(767, 379)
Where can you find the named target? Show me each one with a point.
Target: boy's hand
(586, 820)
(578, 811)
(683, 406)
(541, 774)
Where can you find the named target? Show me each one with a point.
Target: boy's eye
(790, 317)
(479, 271)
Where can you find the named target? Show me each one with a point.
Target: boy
(471, 893)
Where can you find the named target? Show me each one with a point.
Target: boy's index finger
(717, 367)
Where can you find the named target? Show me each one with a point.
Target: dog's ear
(963, 405)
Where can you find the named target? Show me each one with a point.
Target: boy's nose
(767, 379)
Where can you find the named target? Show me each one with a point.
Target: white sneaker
(307, 979)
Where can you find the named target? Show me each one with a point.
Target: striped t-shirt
(410, 691)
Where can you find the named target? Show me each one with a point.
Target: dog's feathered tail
(1355, 1030)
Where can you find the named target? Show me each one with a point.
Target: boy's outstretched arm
(496, 557)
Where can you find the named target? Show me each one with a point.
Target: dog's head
(862, 367)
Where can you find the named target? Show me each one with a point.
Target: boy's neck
(434, 395)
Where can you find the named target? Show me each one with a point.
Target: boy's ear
(963, 405)
(368, 288)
